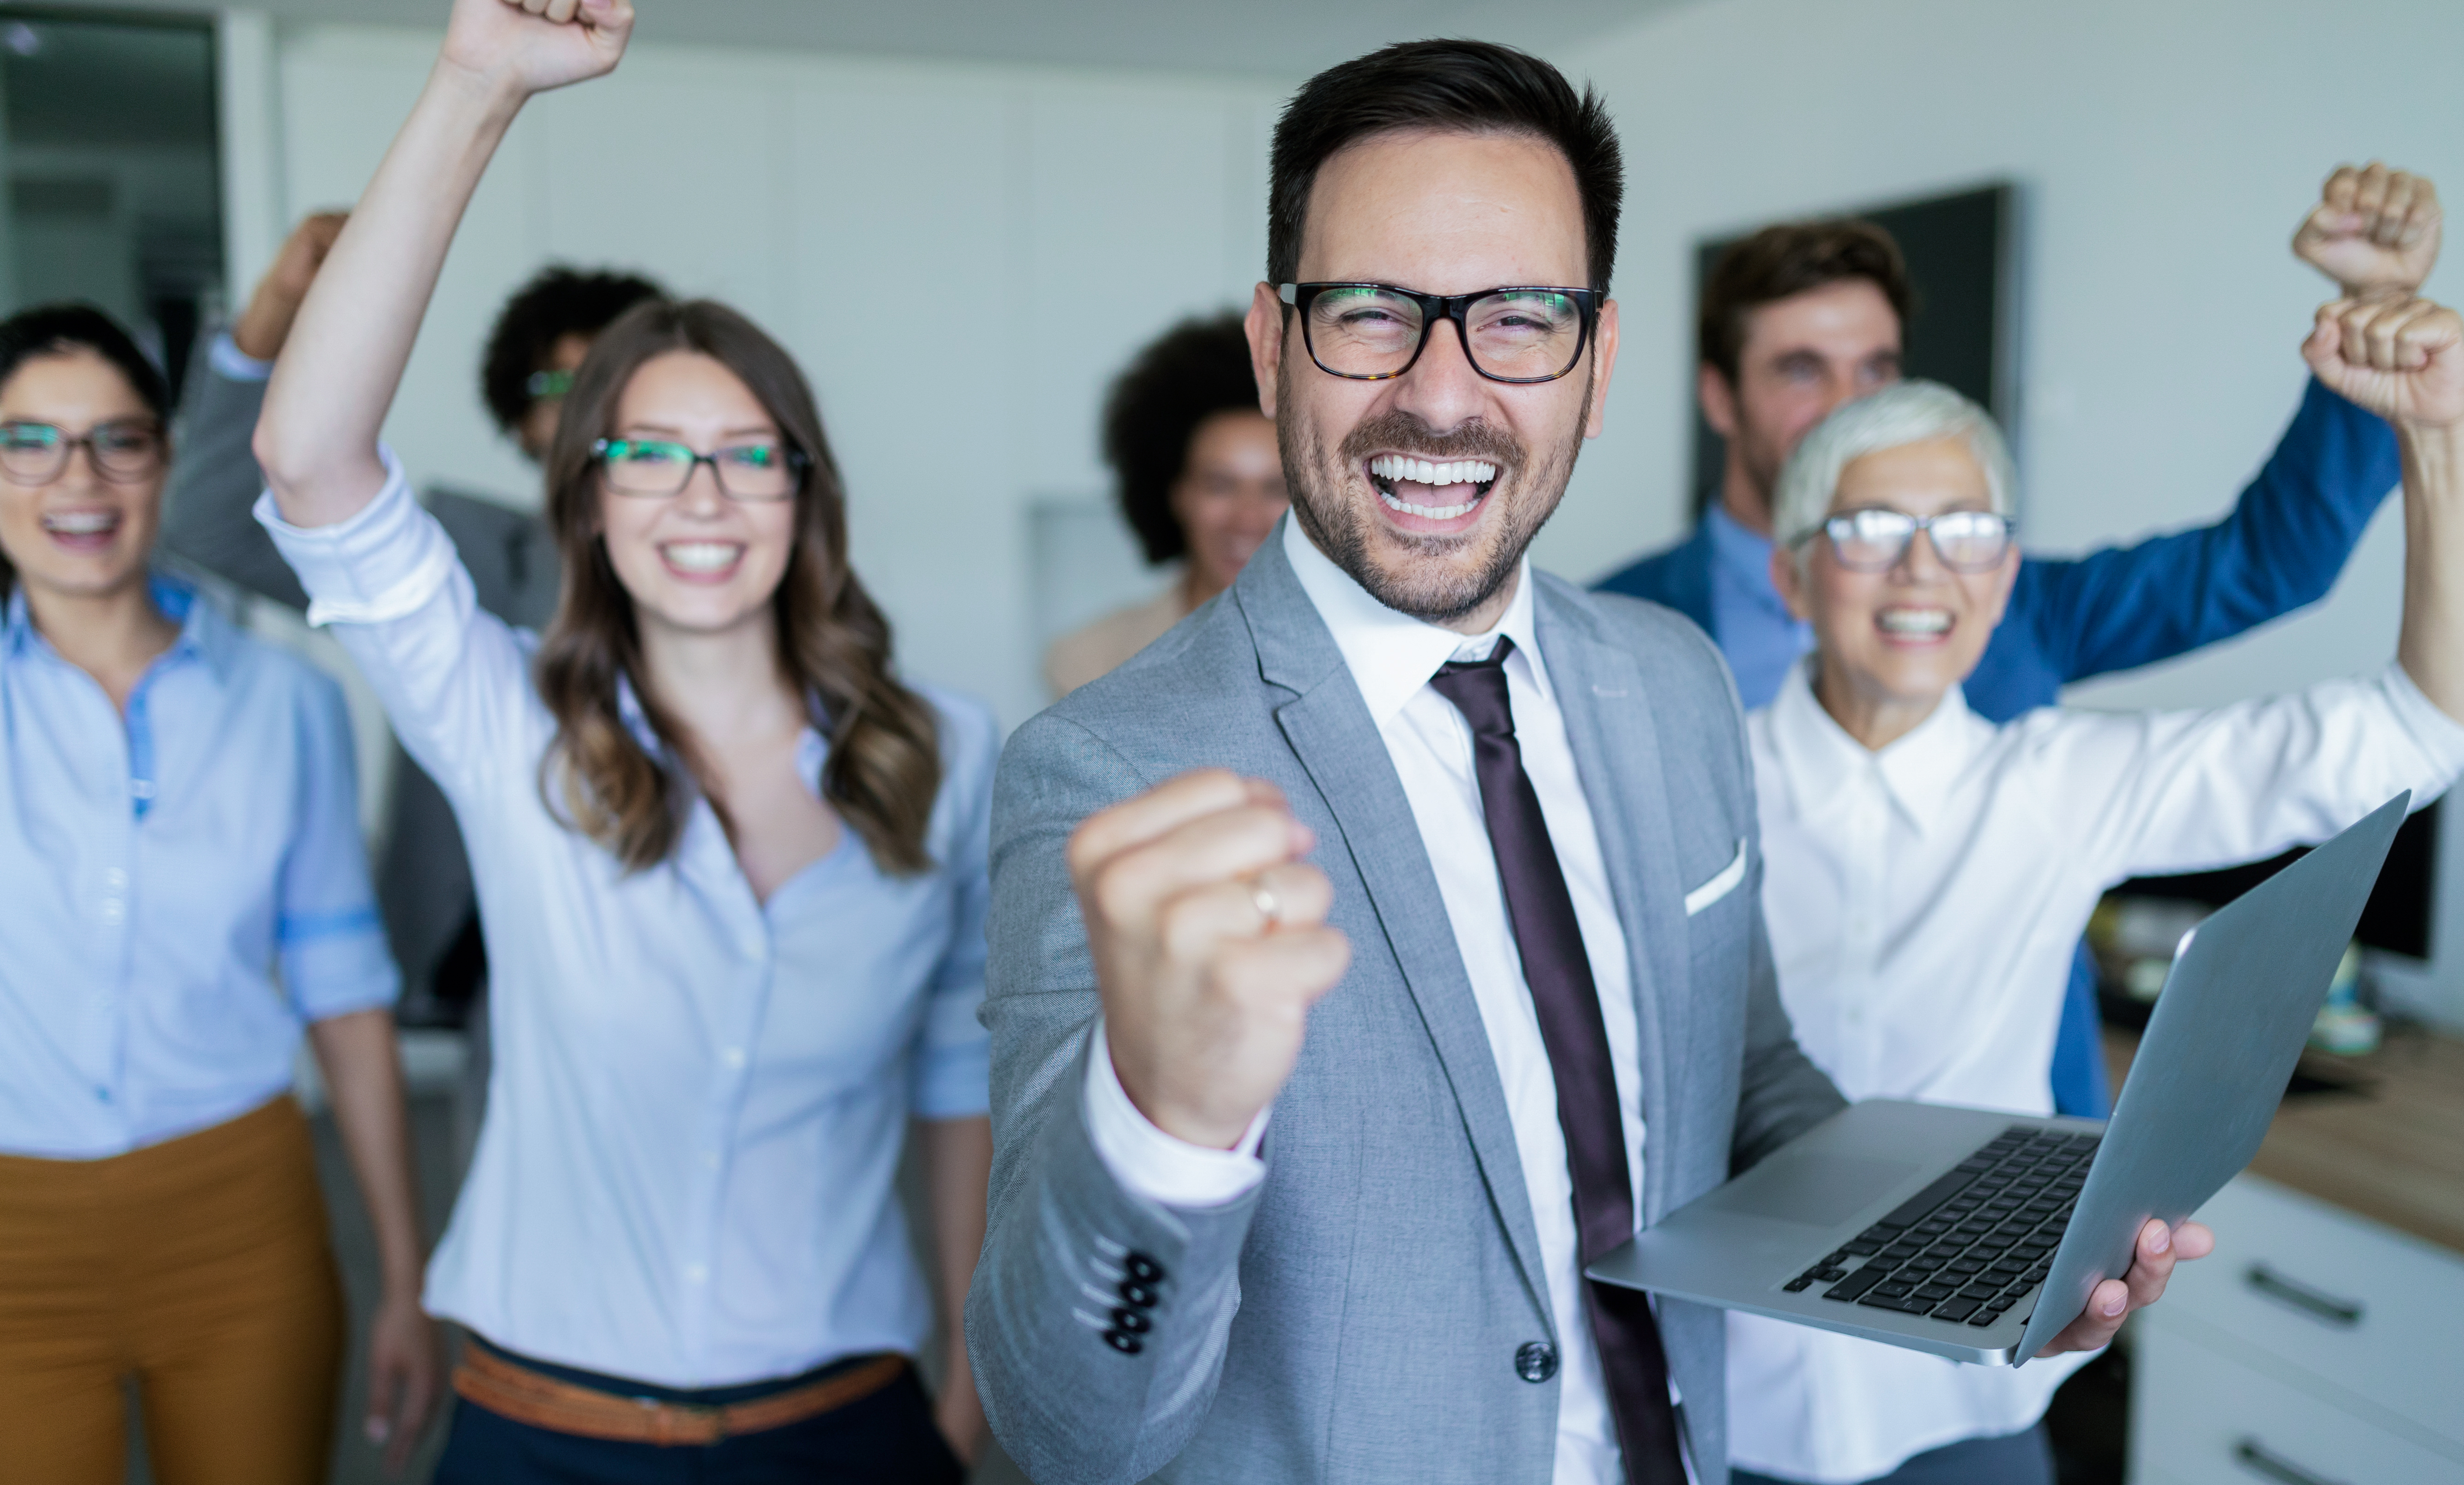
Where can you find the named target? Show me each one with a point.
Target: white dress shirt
(1392, 657)
(687, 1172)
(1924, 902)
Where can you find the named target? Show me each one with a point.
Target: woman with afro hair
(1201, 483)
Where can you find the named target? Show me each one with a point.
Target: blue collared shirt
(184, 886)
(688, 1172)
(1758, 634)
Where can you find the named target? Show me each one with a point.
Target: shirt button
(696, 1273)
(141, 788)
(111, 910)
(114, 879)
(732, 1057)
(1535, 1361)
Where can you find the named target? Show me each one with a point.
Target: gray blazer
(424, 882)
(1356, 1316)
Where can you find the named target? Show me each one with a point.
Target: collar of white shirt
(1391, 654)
(1826, 768)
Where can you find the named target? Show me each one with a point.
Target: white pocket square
(1718, 886)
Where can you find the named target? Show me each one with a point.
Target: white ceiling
(1279, 37)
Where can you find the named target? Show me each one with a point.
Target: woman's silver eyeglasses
(1874, 539)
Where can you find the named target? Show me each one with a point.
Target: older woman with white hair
(1927, 873)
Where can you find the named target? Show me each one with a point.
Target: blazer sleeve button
(1144, 1269)
(1137, 1322)
(1535, 1361)
(1126, 1344)
(1139, 1295)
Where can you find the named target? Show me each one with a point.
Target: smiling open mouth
(1914, 623)
(702, 558)
(82, 531)
(1431, 489)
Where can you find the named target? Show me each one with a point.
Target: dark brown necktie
(1555, 965)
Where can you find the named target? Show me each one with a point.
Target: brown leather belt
(513, 1390)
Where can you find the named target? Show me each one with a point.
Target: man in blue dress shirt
(1798, 319)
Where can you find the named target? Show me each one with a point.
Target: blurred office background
(962, 215)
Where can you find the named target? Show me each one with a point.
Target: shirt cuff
(1157, 1166)
(383, 563)
(234, 364)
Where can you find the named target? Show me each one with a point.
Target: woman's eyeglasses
(38, 453)
(1874, 539)
(657, 469)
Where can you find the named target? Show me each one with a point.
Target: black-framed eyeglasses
(1873, 539)
(658, 468)
(1370, 332)
(38, 453)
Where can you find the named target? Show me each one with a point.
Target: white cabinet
(2313, 1347)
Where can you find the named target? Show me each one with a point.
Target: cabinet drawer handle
(2255, 1458)
(2301, 1296)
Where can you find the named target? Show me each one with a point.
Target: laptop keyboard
(1973, 1243)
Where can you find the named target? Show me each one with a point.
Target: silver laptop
(1979, 1235)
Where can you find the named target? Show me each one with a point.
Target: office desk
(2323, 1342)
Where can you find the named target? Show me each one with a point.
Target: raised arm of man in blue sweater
(1800, 317)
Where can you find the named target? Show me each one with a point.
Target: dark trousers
(2012, 1459)
(885, 1438)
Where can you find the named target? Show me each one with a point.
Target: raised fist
(2401, 358)
(530, 46)
(1210, 942)
(2375, 232)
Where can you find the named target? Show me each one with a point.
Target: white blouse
(694, 1118)
(1925, 903)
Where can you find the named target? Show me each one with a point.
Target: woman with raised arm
(1927, 872)
(186, 896)
(731, 870)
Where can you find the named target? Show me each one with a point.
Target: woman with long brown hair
(731, 871)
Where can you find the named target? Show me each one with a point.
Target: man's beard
(1426, 584)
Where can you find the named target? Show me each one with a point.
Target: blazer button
(1126, 1344)
(1143, 1269)
(1138, 1294)
(1535, 1361)
(1137, 1322)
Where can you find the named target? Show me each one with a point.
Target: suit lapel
(1616, 756)
(1339, 747)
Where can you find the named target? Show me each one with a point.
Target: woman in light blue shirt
(184, 889)
(731, 871)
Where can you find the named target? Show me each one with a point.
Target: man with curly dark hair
(1200, 482)
(540, 335)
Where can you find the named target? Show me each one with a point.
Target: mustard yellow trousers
(200, 1269)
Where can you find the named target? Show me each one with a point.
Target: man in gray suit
(542, 335)
(1504, 827)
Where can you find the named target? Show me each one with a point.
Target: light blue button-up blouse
(181, 889)
(687, 1172)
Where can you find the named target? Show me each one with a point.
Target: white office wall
(2164, 153)
(960, 255)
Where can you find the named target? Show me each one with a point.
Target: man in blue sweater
(1798, 319)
